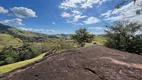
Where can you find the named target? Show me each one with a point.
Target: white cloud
(77, 17)
(2, 10)
(90, 3)
(51, 31)
(26, 29)
(10, 14)
(65, 15)
(76, 8)
(127, 12)
(74, 17)
(97, 30)
(67, 4)
(53, 23)
(15, 21)
(107, 14)
(76, 12)
(37, 30)
(92, 20)
(23, 12)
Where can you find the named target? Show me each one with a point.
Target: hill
(10, 36)
(23, 35)
(87, 63)
(8, 40)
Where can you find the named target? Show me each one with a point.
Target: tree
(54, 46)
(123, 2)
(81, 36)
(125, 37)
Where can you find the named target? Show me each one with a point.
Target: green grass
(9, 67)
(99, 40)
(8, 40)
(22, 33)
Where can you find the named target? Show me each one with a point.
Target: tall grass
(9, 67)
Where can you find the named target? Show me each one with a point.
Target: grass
(22, 33)
(98, 40)
(8, 40)
(10, 67)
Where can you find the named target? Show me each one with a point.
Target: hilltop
(23, 35)
(87, 63)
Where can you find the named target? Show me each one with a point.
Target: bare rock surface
(87, 63)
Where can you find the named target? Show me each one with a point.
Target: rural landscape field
(71, 40)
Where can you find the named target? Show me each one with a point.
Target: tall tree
(123, 2)
(125, 37)
(81, 36)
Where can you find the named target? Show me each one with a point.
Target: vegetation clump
(125, 37)
(82, 36)
(11, 54)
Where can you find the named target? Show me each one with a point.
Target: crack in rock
(94, 72)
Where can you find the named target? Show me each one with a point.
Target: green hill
(23, 35)
(8, 40)
(10, 36)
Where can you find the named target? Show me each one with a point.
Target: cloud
(15, 21)
(90, 3)
(51, 30)
(107, 14)
(76, 12)
(26, 29)
(127, 12)
(53, 23)
(77, 17)
(37, 30)
(23, 12)
(73, 17)
(65, 15)
(67, 4)
(92, 20)
(10, 14)
(97, 30)
(2, 10)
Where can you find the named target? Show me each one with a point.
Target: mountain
(87, 63)
(63, 36)
(10, 36)
(23, 35)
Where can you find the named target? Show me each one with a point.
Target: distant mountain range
(13, 36)
(23, 35)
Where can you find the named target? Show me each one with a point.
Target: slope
(88, 63)
(23, 35)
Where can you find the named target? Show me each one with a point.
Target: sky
(65, 16)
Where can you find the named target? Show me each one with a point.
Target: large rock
(88, 63)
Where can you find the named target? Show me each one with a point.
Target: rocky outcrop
(88, 63)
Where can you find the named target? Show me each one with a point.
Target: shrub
(81, 36)
(125, 37)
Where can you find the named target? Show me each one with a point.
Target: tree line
(124, 36)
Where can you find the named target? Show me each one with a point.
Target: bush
(81, 36)
(57, 45)
(9, 60)
(125, 37)
(12, 54)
